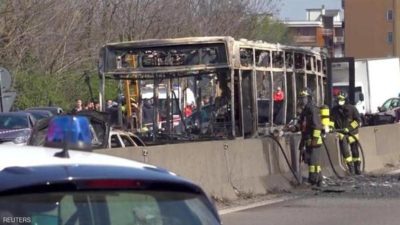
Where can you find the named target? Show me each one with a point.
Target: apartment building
(372, 28)
(313, 31)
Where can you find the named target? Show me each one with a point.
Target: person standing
(309, 124)
(346, 118)
(78, 106)
(278, 97)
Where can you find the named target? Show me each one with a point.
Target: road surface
(321, 210)
(366, 200)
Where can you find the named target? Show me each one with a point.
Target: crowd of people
(89, 106)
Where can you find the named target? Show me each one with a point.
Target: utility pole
(1, 92)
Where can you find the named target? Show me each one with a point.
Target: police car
(42, 185)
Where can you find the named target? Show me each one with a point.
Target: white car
(41, 185)
(123, 139)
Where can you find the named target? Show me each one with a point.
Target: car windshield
(9, 121)
(391, 103)
(39, 115)
(107, 208)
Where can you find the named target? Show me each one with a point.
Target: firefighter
(310, 126)
(346, 119)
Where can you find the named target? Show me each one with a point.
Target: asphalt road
(321, 210)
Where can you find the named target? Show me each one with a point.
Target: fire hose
(327, 152)
(330, 158)
(285, 156)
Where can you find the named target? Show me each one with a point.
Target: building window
(390, 37)
(389, 15)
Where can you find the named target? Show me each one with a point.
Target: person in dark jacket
(346, 119)
(148, 112)
(309, 124)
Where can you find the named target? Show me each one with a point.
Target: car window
(395, 103)
(13, 122)
(109, 208)
(137, 140)
(115, 142)
(387, 104)
(127, 141)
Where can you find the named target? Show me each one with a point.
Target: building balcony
(305, 39)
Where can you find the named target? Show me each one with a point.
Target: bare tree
(55, 37)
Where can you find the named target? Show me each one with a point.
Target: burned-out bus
(233, 83)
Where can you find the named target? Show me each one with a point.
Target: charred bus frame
(238, 76)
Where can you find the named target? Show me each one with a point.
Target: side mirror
(361, 97)
(380, 109)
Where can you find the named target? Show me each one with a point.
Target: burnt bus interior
(214, 88)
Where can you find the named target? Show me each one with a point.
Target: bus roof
(210, 39)
(171, 41)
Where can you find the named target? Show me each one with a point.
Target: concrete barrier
(331, 144)
(231, 168)
(380, 145)
(225, 169)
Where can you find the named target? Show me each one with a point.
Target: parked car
(16, 127)
(123, 139)
(388, 113)
(42, 186)
(53, 109)
(39, 114)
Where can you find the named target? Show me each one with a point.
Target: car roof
(24, 166)
(24, 156)
(38, 111)
(21, 113)
(118, 131)
(45, 107)
(52, 109)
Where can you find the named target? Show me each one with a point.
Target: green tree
(268, 29)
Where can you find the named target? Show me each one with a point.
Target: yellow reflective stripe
(309, 141)
(354, 124)
(318, 169)
(349, 159)
(332, 124)
(357, 159)
(324, 112)
(311, 169)
(317, 133)
(341, 136)
(353, 139)
(325, 121)
(319, 140)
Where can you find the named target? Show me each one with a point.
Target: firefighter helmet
(341, 95)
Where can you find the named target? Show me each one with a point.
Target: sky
(296, 9)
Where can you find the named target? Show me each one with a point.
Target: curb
(255, 205)
(393, 172)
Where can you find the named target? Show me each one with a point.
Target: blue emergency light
(69, 132)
